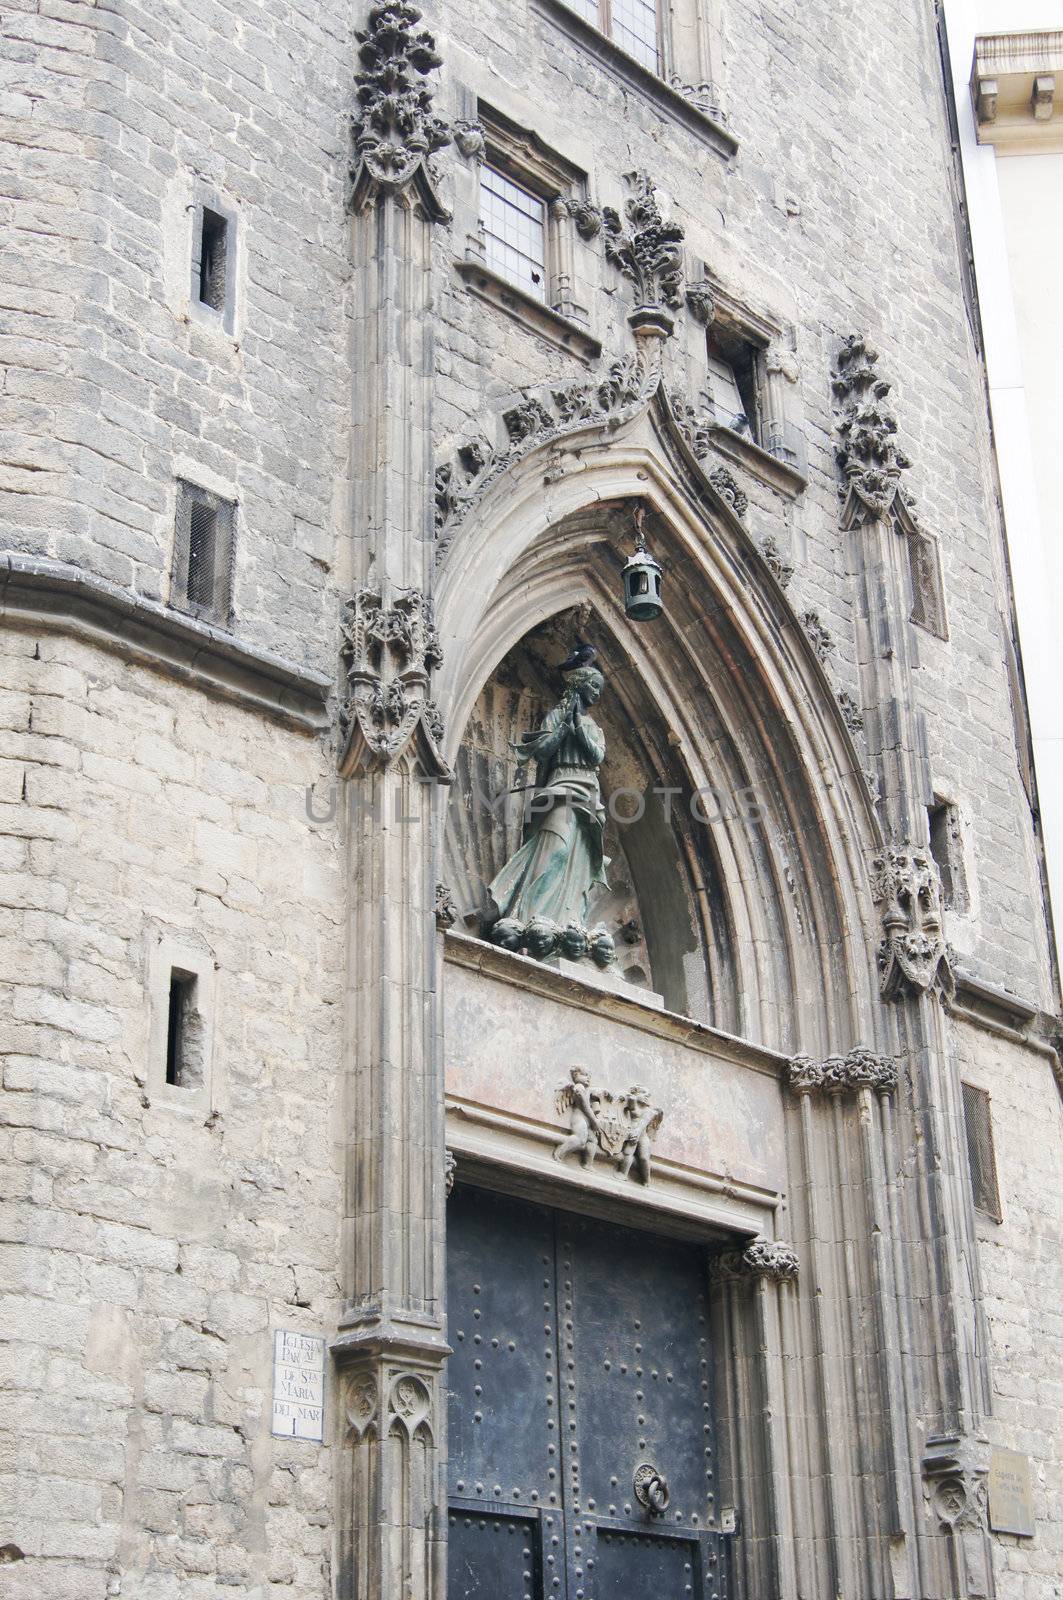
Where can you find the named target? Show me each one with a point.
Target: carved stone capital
(867, 452)
(913, 957)
(860, 1069)
(645, 248)
(764, 1258)
(395, 130)
(389, 653)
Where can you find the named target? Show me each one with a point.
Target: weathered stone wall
(1020, 1258)
(151, 1250)
(119, 119)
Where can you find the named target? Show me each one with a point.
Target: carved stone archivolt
(389, 653)
(538, 418)
(620, 1126)
(646, 249)
(913, 957)
(860, 1069)
(764, 1258)
(866, 427)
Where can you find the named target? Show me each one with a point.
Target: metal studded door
(580, 1412)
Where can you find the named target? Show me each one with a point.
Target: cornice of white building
(1013, 89)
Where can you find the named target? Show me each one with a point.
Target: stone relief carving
(469, 139)
(389, 653)
(696, 427)
(701, 301)
(645, 248)
(818, 636)
(867, 452)
(860, 1069)
(702, 96)
(782, 570)
(395, 129)
(851, 712)
(586, 218)
(361, 1403)
(446, 909)
(913, 957)
(409, 1403)
(726, 486)
(764, 1258)
(450, 1170)
(619, 1125)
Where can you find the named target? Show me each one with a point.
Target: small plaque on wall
(298, 1386)
(1011, 1493)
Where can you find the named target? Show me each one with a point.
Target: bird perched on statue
(581, 655)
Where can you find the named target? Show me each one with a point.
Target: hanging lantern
(642, 577)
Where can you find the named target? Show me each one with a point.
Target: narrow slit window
(179, 1033)
(981, 1154)
(203, 545)
(513, 221)
(947, 850)
(213, 258)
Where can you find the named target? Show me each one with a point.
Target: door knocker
(651, 1490)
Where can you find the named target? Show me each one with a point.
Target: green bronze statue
(540, 899)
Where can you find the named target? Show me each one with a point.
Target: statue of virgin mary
(541, 896)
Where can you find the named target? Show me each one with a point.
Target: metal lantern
(642, 578)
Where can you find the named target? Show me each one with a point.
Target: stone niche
(669, 940)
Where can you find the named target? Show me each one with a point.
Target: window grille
(513, 222)
(203, 545)
(981, 1155)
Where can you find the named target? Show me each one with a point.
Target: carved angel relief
(389, 653)
(621, 1126)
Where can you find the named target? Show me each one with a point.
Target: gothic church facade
(366, 1240)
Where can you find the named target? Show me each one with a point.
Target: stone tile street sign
(298, 1385)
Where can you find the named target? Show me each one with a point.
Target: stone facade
(428, 466)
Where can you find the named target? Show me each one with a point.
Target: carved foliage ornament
(867, 451)
(913, 957)
(395, 129)
(620, 1126)
(645, 248)
(860, 1069)
(536, 419)
(764, 1258)
(389, 653)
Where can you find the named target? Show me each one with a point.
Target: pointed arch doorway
(580, 1415)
